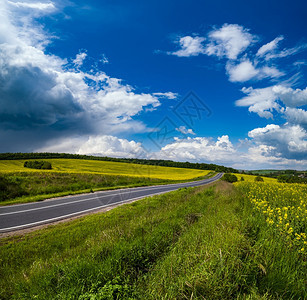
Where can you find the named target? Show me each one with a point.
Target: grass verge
(201, 243)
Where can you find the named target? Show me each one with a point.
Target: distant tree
(45, 165)
(282, 178)
(258, 178)
(242, 178)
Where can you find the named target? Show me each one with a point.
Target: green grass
(189, 244)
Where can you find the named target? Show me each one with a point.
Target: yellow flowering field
(251, 178)
(284, 207)
(107, 168)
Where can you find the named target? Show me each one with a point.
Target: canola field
(251, 178)
(284, 207)
(106, 168)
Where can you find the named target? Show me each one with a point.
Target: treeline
(34, 164)
(291, 179)
(155, 162)
(277, 173)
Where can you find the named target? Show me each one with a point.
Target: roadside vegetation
(196, 243)
(28, 187)
(230, 177)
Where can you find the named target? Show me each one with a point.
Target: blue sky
(202, 81)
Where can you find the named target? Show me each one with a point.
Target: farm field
(72, 176)
(107, 168)
(251, 178)
(195, 243)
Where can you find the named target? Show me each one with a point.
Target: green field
(201, 243)
(70, 176)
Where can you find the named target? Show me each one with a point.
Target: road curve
(21, 216)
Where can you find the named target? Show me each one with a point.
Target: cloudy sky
(202, 81)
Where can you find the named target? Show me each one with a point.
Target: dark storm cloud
(30, 98)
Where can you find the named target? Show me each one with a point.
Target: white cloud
(260, 101)
(263, 101)
(261, 131)
(264, 157)
(184, 130)
(241, 72)
(100, 145)
(232, 40)
(269, 46)
(286, 52)
(104, 59)
(167, 95)
(110, 146)
(78, 61)
(300, 63)
(199, 149)
(291, 97)
(190, 46)
(43, 6)
(246, 70)
(296, 116)
(271, 72)
(17, 26)
(229, 41)
(288, 141)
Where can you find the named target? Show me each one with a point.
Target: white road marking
(86, 199)
(73, 214)
(66, 203)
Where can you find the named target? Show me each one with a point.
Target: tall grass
(189, 244)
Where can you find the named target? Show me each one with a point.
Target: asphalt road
(21, 216)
